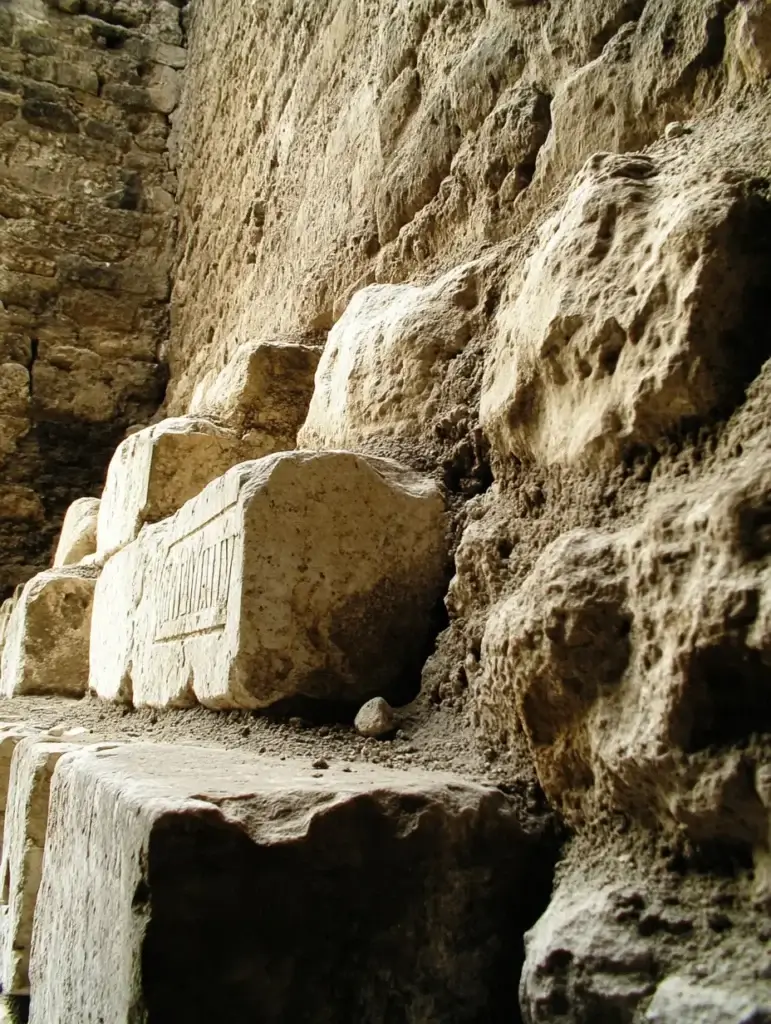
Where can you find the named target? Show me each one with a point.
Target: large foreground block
(156, 470)
(201, 885)
(26, 820)
(47, 635)
(300, 574)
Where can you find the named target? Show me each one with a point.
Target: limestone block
(249, 873)
(626, 656)
(11, 734)
(78, 537)
(47, 637)
(23, 846)
(264, 391)
(639, 309)
(302, 573)
(680, 1000)
(156, 470)
(384, 367)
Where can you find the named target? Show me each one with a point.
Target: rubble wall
(86, 239)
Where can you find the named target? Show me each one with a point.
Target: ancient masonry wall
(87, 192)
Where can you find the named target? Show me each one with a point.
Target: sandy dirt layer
(428, 736)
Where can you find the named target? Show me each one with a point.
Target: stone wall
(345, 142)
(86, 238)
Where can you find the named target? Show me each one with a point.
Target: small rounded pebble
(375, 718)
(320, 763)
(675, 130)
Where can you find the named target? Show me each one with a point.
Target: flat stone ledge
(249, 874)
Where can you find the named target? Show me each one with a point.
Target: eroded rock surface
(629, 655)
(640, 309)
(392, 139)
(300, 574)
(256, 873)
(655, 946)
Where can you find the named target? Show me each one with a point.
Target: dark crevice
(729, 685)
(269, 925)
(631, 11)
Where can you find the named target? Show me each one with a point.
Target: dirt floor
(428, 736)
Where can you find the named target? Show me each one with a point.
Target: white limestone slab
(47, 635)
(32, 768)
(194, 884)
(303, 573)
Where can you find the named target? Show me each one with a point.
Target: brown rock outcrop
(640, 309)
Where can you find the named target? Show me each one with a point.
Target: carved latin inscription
(195, 585)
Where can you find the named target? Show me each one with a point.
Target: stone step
(32, 768)
(197, 884)
(302, 574)
(46, 638)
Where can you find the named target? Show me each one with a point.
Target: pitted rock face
(300, 574)
(639, 310)
(626, 656)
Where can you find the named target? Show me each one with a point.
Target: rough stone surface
(47, 637)
(300, 574)
(157, 469)
(651, 947)
(684, 1001)
(23, 847)
(387, 364)
(583, 959)
(375, 718)
(639, 309)
(349, 145)
(263, 392)
(86, 235)
(276, 868)
(78, 537)
(11, 734)
(616, 651)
